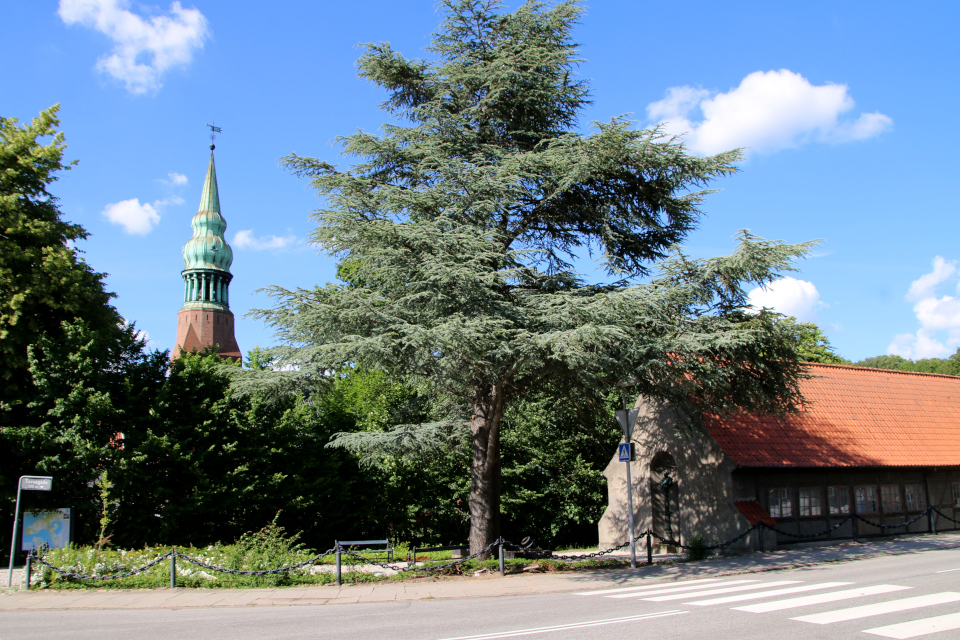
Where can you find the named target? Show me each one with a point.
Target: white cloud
(143, 48)
(171, 200)
(939, 317)
(244, 239)
(175, 179)
(925, 286)
(788, 296)
(769, 111)
(135, 218)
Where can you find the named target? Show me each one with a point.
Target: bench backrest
(361, 543)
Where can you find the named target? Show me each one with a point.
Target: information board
(45, 528)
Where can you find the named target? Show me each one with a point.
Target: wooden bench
(460, 551)
(387, 548)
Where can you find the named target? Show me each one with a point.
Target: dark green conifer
(458, 228)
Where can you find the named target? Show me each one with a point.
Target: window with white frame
(780, 505)
(956, 494)
(839, 498)
(866, 499)
(914, 495)
(809, 501)
(890, 498)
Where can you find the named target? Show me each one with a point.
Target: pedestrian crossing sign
(626, 452)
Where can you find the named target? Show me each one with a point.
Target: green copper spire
(205, 320)
(208, 249)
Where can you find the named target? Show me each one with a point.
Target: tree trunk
(487, 404)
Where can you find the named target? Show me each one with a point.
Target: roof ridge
(897, 371)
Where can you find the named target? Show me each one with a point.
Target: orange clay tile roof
(754, 513)
(854, 417)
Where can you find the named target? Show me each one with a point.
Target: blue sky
(846, 108)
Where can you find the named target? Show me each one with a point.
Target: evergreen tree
(459, 227)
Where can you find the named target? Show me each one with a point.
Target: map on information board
(46, 528)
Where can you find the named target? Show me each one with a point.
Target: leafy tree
(459, 227)
(43, 280)
(92, 391)
(554, 454)
(813, 345)
(212, 463)
(944, 366)
(887, 362)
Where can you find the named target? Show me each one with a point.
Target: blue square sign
(625, 451)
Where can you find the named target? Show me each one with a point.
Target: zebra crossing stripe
(678, 589)
(768, 594)
(711, 592)
(573, 625)
(646, 587)
(853, 613)
(821, 598)
(916, 628)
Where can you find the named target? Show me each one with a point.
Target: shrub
(696, 548)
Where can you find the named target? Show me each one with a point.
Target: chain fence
(810, 536)
(431, 568)
(905, 523)
(943, 515)
(265, 572)
(596, 554)
(703, 548)
(80, 576)
(500, 544)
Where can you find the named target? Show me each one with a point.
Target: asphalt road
(904, 596)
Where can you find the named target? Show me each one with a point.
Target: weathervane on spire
(214, 130)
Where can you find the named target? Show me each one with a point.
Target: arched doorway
(663, 486)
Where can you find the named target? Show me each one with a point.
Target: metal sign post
(28, 483)
(627, 419)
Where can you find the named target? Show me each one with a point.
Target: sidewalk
(492, 585)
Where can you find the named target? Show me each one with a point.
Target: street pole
(633, 542)
(13, 543)
(627, 419)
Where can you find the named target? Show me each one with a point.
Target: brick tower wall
(198, 329)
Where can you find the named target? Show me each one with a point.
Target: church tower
(205, 319)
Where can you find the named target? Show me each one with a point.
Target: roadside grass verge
(268, 549)
(93, 562)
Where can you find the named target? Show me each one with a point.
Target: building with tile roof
(883, 444)
(205, 319)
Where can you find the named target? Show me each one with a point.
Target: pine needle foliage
(457, 228)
